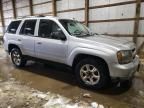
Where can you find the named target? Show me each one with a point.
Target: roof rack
(40, 15)
(33, 16)
(30, 16)
(26, 17)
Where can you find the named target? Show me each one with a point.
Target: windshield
(75, 28)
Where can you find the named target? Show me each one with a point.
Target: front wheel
(92, 73)
(16, 57)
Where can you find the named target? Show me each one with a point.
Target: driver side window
(47, 29)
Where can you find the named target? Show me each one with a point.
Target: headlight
(124, 56)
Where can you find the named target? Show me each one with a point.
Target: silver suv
(96, 59)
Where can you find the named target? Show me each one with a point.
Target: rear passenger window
(12, 28)
(28, 27)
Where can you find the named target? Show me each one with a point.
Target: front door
(47, 46)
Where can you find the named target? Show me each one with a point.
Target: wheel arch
(11, 46)
(80, 57)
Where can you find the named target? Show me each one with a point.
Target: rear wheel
(17, 58)
(92, 73)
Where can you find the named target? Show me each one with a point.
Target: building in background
(119, 18)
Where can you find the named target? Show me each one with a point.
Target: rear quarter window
(12, 28)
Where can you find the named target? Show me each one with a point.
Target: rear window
(12, 28)
(28, 27)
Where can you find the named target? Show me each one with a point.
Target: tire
(92, 73)
(17, 58)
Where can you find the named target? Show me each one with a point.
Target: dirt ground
(16, 95)
(55, 86)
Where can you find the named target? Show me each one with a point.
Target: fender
(87, 51)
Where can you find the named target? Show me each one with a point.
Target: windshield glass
(75, 28)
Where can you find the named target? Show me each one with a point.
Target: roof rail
(40, 15)
(32, 16)
(26, 17)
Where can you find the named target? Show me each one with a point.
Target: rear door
(27, 33)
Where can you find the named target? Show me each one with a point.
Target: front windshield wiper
(87, 34)
(95, 34)
(77, 33)
(84, 35)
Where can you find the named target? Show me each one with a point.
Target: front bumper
(125, 71)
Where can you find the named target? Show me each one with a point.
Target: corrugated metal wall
(71, 4)
(110, 17)
(7, 12)
(0, 27)
(115, 12)
(22, 8)
(141, 26)
(42, 7)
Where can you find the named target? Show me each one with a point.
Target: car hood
(112, 42)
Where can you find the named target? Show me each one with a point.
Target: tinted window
(47, 28)
(12, 28)
(28, 27)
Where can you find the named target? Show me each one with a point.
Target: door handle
(19, 39)
(39, 43)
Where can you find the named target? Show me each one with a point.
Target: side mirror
(62, 36)
(59, 35)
